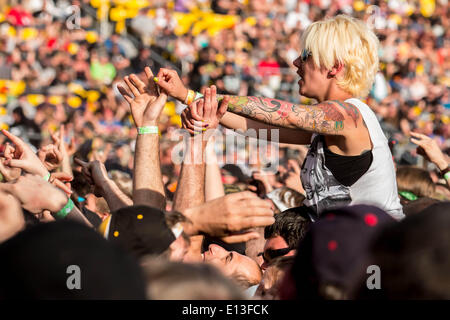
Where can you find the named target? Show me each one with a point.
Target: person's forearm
(65, 165)
(213, 178)
(191, 185)
(191, 190)
(76, 215)
(264, 131)
(114, 197)
(148, 186)
(326, 117)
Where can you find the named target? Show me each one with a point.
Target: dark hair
(291, 225)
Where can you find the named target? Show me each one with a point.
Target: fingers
(206, 106)
(223, 107)
(418, 142)
(9, 151)
(81, 163)
(62, 186)
(242, 195)
(16, 163)
(141, 87)
(253, 222)
(16, 140)
(201, 108)
(151, 83)
(63, 176)
(164, 77)
(125, 94)
(132, 88)
(240, 237)
(418, 135)
(194, 110)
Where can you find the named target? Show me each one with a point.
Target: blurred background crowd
(60, 62)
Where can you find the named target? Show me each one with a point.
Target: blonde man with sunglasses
(349, 160)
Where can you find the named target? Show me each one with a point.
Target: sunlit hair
(346, 40)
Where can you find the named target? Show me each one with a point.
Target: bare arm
(191, 189)
(146, 106)
(95, 173)
(114, 197)
(329, 117)
(148, 187)
(213, 178)
(286, 135)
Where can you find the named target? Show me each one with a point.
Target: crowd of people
(92, 98)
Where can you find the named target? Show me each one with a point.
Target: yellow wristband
(190, 97)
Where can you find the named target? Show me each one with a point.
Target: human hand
(147, 104)
(35, 194)
(61, 181)
(95, 173)
(170, 82)
(205, 112)
(429, 149)
(23, 157)
(9, 173)
(11, 216)
(230, 217)
(50, 156)
(262, 178)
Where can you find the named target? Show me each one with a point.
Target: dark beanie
(140, 230)
(43, 261)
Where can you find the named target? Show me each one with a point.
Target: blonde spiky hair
(346, 40)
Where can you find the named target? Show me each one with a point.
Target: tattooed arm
(329, 117)
(285, 135)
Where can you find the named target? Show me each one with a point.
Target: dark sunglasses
(305, 55)
(270, 254)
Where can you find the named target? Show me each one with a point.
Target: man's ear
(335, 70)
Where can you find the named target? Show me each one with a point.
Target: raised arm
(146, 106)
(329, 117)
(95, 173)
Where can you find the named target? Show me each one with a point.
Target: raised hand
(428, 148)
(23, 157)
(170, 82)
(50, 156)
(35, 194)
(62, 181)
(204, 113)
(231, 216)
(147, 104)
(9, 173)
(95, 173)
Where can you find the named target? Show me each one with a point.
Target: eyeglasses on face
(271, 254)
(305, 55)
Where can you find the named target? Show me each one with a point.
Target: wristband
(198, 95)
(447, 176)
(61, 214)
(47, 177)
(148, 130)
(190, 97)
(408, 195)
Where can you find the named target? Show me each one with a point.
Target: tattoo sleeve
(326, 117)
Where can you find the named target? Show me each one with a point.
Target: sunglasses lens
(305, 55)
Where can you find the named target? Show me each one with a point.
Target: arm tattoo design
(325, 118)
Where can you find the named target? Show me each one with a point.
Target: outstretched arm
(329, 117)
(146, 106)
